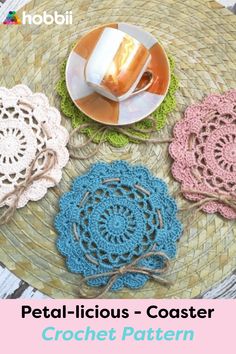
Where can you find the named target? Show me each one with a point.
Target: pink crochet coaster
(204, 153)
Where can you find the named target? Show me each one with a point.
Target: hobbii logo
(47, 19)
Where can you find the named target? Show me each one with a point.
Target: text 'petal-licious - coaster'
(117, 226)
(30, 135)
(204, 150)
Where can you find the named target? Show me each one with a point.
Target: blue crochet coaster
(114, 214)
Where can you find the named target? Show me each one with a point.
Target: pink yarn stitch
(204, 151)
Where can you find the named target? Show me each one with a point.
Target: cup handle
(148, 84)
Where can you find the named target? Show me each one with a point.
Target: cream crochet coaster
(28, 127)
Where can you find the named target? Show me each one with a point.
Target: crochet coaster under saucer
(114, 214)
(112, 135)
(204, 150)
(28, 126)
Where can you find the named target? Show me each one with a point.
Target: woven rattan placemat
(201, 38)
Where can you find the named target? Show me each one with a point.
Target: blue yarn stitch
(103, 225)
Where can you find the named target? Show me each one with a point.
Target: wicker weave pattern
(201, 38)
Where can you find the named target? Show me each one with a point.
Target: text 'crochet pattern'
(112, 136)
(114, 214)
(204, 150)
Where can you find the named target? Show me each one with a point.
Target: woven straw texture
(201, 38)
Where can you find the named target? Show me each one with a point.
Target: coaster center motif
(17, 145)
(10, 145)
(230, 152)
(116, 223)
(225, 151)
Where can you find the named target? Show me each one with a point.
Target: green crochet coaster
(112, 135)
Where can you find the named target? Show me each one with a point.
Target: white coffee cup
(117, 64)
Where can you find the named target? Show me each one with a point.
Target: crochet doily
(28, 125)
(204, 150)
(116, 139)
(113, 214)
